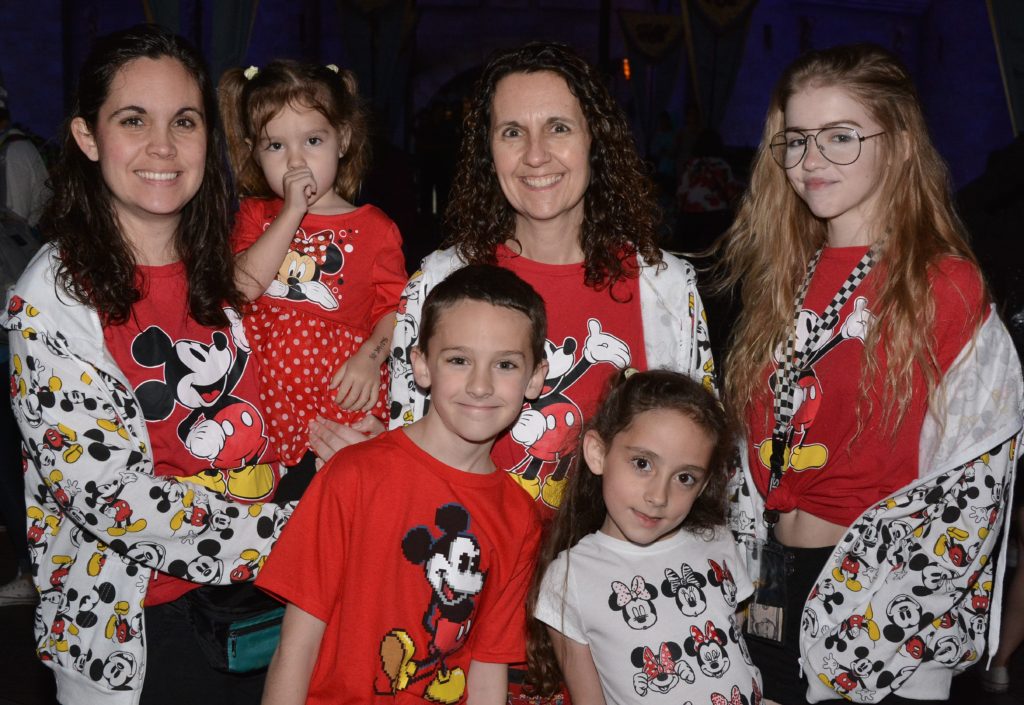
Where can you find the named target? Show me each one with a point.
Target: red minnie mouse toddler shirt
(197, 389)
(341, 275)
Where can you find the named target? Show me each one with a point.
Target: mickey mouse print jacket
(88, 480)
(908, 595)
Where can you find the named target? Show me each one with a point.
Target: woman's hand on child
(327, 437)
(357, 382)
(299, 187)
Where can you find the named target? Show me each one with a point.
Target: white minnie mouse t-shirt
(659, 619)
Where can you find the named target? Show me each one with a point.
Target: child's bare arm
(358, 380)
(256, 266)
(487, 683)
(578, 667)
(292, 665)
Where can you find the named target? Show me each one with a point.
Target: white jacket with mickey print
(99, 522)
(908, 595)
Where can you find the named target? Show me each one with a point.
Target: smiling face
(540, 144)
(297, 137)
(479, 369)
(651, 474)
(455, 575)
(150, 141)
(846, 197)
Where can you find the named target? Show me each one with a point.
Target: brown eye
(641, 463)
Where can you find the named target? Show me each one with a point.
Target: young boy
(406, 564)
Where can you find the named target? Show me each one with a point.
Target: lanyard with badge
(767, 606)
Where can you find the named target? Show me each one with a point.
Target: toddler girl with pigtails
(322, 275)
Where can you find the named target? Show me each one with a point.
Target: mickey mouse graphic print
(195, 387)
(341, 275)
(906, 598)
(105, 507)
(660, 620)
(417, 569)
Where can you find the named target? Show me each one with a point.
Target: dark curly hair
(247, 105)
(97, 262)
(620, 209)
(583, 511)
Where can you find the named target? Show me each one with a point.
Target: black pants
(779, 665)
(177, 672)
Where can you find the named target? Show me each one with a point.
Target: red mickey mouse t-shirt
(197, 388)
(846, 453)
(416, 567)
(592, 334)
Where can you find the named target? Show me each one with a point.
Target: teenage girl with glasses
(881, 396)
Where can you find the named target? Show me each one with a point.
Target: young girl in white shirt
(637, 584)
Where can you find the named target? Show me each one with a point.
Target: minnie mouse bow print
(721, 577)
(655, 667)
(300, 275)
(625, 594)
(737, 698)
(687, 587)
(659, 673)
(709, 649)
(635, 601)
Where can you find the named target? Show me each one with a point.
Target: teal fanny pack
(237, 626)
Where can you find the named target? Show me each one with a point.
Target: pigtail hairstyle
(248, 104)
(582, 511)
(620, 209)
(97, 263)
(775, 234)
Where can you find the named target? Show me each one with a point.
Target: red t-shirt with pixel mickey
(403, 556)
(834, 472)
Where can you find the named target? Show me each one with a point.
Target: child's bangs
(272, 100)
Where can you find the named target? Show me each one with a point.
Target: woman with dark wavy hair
(607, 212)
(549, 185)
(129, 374)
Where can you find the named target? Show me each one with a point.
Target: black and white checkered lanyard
(795, 361)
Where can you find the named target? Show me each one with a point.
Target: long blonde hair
(766, 251)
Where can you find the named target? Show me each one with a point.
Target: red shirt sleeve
(248, 223)
(389, 275)
(500, 629)
(960, 306)
(306, 565)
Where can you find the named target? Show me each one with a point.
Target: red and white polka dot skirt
(298, 354)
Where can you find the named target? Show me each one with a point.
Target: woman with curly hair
(880, 393)
(148, 472)
(549, 185)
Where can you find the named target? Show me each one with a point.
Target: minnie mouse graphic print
(342, 274)
(659, 619)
